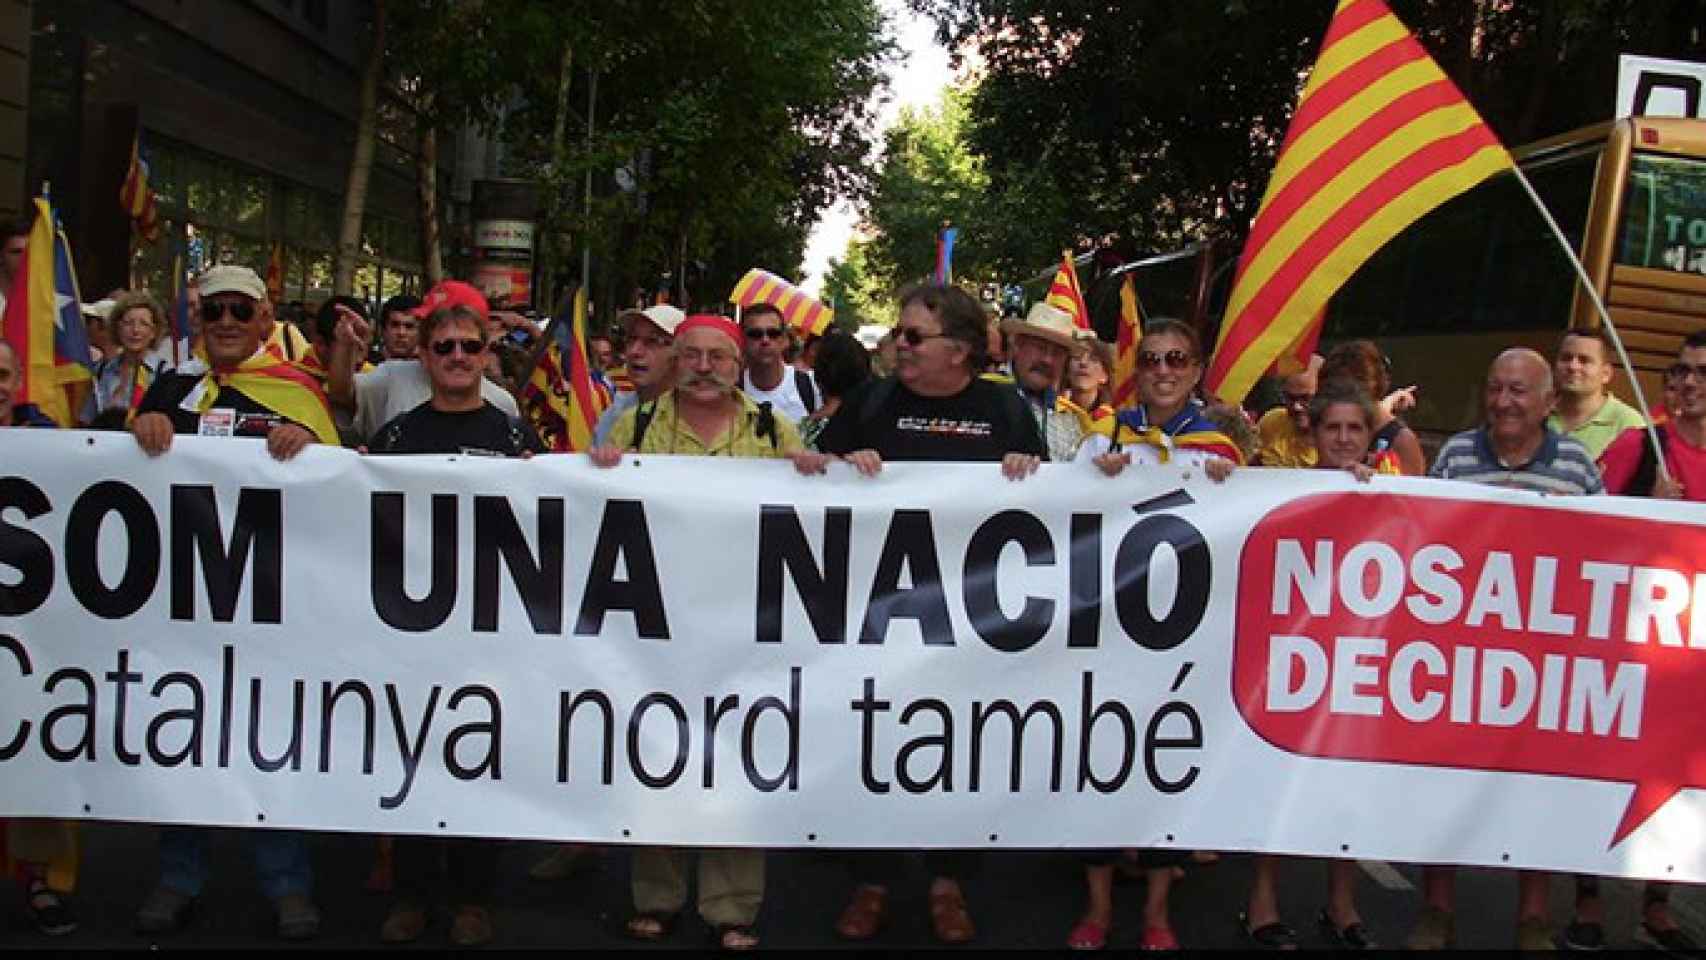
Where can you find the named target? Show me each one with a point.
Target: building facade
(247, 113)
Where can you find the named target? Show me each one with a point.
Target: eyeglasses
(1298, 399)
(212, 310)
(765, 333)
(1174, 359)
(692, 356)
(1680, 371)
(913, 337)
(471, 347)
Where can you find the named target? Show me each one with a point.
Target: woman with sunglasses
(1168, 424)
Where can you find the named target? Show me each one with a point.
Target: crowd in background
(952, 381)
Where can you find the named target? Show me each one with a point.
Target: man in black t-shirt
(456, 420)
(935, 408)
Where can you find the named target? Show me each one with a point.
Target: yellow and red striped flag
(137, 197)
(1066, 294)
(562, 398)
(275, 272)
(1381, 137)
(801, 311)
(1125, 346)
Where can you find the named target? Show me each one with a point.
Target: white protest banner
(705, 652)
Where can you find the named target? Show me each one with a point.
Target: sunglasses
(1680, 371)
(471, 347)
(765, 333)
(1174, 359)
(212, 310)
(913, 338)
(1298, 399)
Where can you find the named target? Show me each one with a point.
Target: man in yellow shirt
(705, 414)
(1586, 411)
(1283, 433)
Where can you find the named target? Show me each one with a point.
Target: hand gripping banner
(694, 652)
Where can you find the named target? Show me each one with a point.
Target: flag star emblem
(60, 302)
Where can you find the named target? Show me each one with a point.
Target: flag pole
(1604, 317)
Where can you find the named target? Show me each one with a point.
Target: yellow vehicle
(1483, 272)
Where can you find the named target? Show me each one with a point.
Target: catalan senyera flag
(1381, 136)
(137, 197)
(1125, 346)
(1066, 293)
(802, 312)
(44, 324)
(563, 399)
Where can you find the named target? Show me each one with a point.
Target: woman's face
(1341, 436)
(136, 330)
(1086, 374)
(1167, 371)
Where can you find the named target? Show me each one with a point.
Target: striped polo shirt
(1560, 466)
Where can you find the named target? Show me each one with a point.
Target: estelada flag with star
(44, 324)
(1381, 136)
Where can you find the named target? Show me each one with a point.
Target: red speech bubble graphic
(1480, 636)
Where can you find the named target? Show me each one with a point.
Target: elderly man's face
(1038, 363)
(707, 366)
(233, 327)
(1518, 398)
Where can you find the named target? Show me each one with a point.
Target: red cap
(711, 321)
(452, 293)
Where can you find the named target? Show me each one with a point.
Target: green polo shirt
(1597, 432)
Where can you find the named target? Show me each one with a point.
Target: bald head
(1527, 362)
(1518, 397)
(8, 381)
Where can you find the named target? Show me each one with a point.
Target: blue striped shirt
(1560, 466)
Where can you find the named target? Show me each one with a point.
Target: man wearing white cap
(395, 387)
(646, 339)
(1042, 345)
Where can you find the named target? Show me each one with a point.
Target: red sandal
(1159, 938)
(1087, 935)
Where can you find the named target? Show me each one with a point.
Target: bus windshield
(1664, 218)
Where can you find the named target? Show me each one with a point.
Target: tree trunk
(550, 232)
(426, 185)
(361, 162)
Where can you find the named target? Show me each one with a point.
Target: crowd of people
(950, 383)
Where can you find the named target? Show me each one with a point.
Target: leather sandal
(864, 915)
(651, 926)
(949, 918)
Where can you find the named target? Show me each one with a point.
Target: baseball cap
(452, 293)
(231, 278)
(665, 316)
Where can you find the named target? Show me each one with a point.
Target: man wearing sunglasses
(1285, 435)
(936, 407)
(246, 391)
(769, 377)
(396, 387)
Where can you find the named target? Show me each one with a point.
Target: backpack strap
(807, 390)
(642, 420)
(1647, 473)
(877, 396)
(766, 426)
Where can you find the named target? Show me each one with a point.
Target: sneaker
(404, 924)
(48, 909)
(1435, 930)
(472, 927)
(562, 862)
(298, 918)
(165, 911)
(1534, 934)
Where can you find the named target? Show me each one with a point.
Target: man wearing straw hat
(1042, 345)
